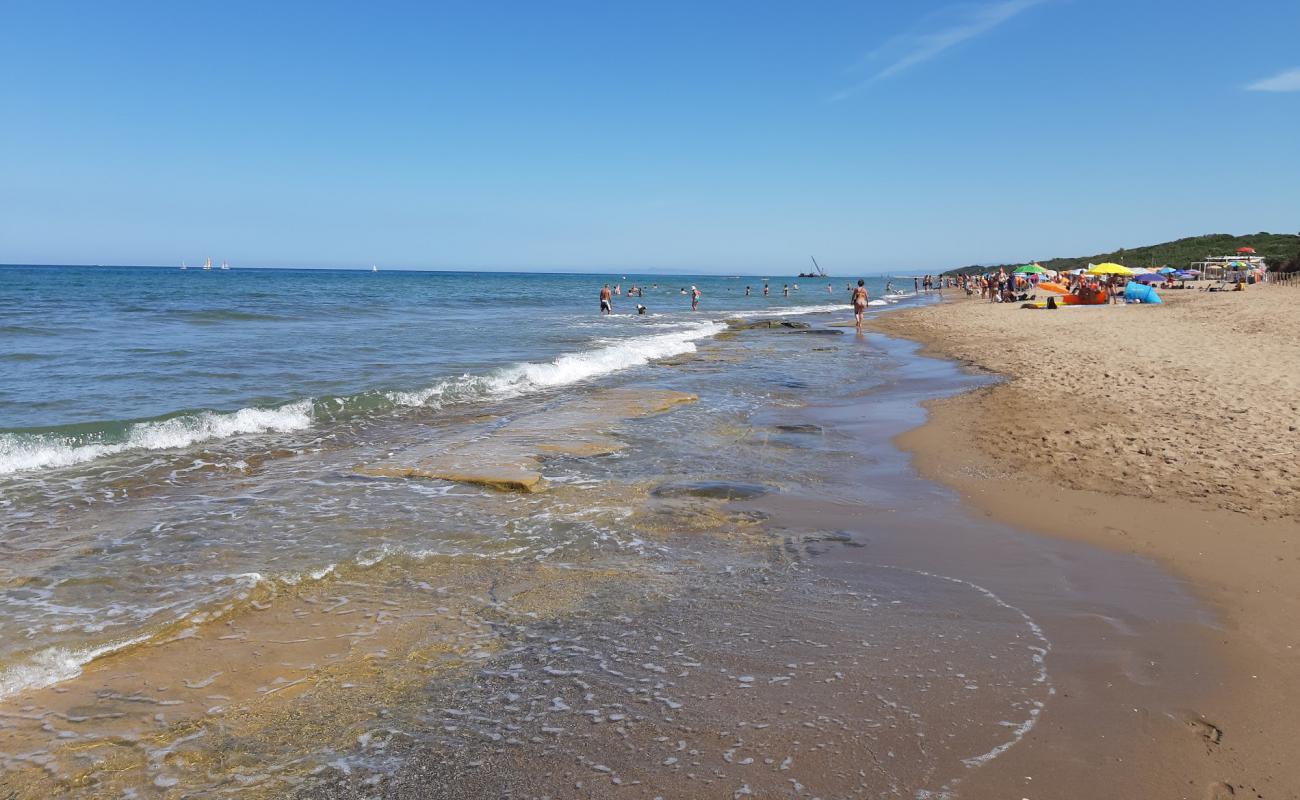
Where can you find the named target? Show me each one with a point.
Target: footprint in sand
(1219, 791)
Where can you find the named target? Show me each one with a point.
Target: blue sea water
(217, 485)
(96, 361)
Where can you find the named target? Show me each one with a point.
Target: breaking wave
(23, 451)
(20, 452)
(570, 368)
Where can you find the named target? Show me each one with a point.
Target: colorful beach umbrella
(1030, 269)
(1167, 270)
(1110, 269)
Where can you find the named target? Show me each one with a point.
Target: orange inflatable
(1095, 299)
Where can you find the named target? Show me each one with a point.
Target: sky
(656, 136)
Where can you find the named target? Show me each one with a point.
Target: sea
(272, 532)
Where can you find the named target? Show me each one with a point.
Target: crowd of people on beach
(1088, 286)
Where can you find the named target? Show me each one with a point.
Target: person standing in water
(785, 290)
(695, 299)
(606, 301)
(765, 290)
(860, 300)
(747, 291)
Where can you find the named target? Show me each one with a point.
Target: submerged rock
(780, 325)
(766, 324)
(811, 429)
(504, 478)
(713, 490)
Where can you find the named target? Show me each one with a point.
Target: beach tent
(1137, 292)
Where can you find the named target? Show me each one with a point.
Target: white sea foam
(569, 368)
(22, 452)
(54, 665)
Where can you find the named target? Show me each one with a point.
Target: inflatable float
(1097, 298)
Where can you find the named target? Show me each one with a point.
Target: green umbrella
(1030, 268)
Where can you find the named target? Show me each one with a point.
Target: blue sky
(615, 135)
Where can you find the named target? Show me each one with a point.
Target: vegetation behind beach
(1277, 249)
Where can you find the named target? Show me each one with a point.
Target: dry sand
(1168, 432)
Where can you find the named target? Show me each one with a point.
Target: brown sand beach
(1169, 433)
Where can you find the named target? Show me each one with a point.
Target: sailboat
(224, 265)
(374, 268)
(207, 265)
(183, 266)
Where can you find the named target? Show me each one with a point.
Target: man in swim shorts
(606, 305)
(860, 299)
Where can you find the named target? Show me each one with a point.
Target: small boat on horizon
(225, 266)
(820, 273)
(374, 268)
(207, 265)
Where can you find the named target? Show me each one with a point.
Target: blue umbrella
(1150, 277)
(1166, 270)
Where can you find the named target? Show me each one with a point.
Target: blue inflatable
(1136, 292)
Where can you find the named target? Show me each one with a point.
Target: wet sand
(1202, 483)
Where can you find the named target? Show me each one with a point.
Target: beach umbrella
(1151, 277)
(1185, 274)
(1029, 269)
(1167, 270)
(1141, 271)
(1110, 269)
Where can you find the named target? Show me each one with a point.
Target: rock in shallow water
(714, 490)
(813, 429)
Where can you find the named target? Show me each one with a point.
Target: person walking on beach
(860, 300)
(606, 301)
(695, 299)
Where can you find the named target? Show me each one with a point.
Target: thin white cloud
(1285, 81)
(952, 27)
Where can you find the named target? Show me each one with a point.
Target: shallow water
(265, 611)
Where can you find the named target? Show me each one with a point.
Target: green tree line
(1279, 250)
